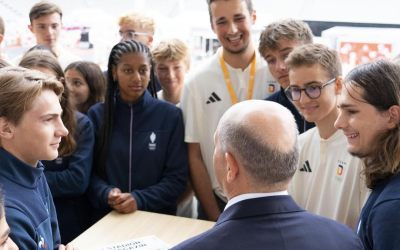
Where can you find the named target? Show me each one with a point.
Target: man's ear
(394, 116)
(30, 28)
(1, 38)
(232, 167)
(150, 42)
(339, 85)
(6, 131)
(254, 16)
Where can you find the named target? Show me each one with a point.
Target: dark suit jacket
(275, 223)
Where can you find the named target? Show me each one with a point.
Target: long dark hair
(44, 59)
(380, 82)
(95, 80)
(104, 135)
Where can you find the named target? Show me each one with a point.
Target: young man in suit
(256, 154)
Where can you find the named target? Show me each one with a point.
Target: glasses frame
(289, 95)
(133, 34)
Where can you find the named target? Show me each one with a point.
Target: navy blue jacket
(29, 206)
(379, 222)
(68, 179)
(274, 222)
(148, 156)
(282, 99)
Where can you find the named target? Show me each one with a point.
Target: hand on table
(67, 247)
(112, 195)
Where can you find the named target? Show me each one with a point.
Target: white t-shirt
(205, 98)
(327, 181)
(65, 58)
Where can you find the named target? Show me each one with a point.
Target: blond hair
(311, 54)
(19, 88)
(146, 22)
(288, 29)
(172, 50)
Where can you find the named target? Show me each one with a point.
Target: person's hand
(67, 247)
(125, 203)
(112, 196)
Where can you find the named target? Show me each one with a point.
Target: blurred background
(361, 30)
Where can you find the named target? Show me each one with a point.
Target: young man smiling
(277, 40)
(235, 73)
(327, 181)
(370, 117)
(46, 26)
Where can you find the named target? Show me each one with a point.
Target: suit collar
(259, 206)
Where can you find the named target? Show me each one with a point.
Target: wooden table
(116, 227)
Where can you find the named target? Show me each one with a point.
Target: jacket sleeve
(98, 191)
(383, 226)
(74, 180)
(22, 231)
(174, 176)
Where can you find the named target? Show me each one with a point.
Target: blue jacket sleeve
(175, 174)
(74, 180)
(98, 191)
(383, 226)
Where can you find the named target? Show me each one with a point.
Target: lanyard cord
(229, 83)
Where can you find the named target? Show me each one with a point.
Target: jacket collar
(18, 171)
(136, 106)
(260, 206)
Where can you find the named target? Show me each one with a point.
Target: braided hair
(104, 135)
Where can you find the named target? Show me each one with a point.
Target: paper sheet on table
(144, 243)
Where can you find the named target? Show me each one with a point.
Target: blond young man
(234, 74)
(277, 40)
(327, 181)
(171, 64)
(46, 25)
(137, 26)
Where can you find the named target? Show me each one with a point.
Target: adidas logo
(306, 167)
(213, 98)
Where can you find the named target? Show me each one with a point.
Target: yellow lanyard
(228, 80)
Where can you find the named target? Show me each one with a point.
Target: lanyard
(228, 80)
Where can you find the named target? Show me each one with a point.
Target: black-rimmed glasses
(313, 92)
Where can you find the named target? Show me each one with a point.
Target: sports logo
(42, 245)
(213, 98)
(152, 144)
(306, 167)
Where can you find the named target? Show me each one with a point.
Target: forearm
(201, 182)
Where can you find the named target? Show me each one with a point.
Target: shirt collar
(242, 197)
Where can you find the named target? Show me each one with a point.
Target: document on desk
(144, 243)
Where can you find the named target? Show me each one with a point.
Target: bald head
(262, 135)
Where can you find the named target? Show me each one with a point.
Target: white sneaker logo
(152, 145)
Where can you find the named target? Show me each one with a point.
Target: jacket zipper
(130, 150)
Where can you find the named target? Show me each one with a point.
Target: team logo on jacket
(339, 170)
(42, 245)
(152, 144)
(213, 98)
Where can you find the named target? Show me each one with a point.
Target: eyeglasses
(131, 34)
(294, 93)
